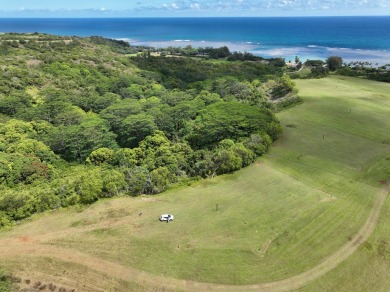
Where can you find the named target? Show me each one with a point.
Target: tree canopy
(334, 62)
(227, 120)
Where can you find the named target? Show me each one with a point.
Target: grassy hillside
(277, 218)
(367, 269)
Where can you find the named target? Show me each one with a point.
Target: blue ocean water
(353, 38)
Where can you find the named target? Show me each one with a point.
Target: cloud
(260, 5)
(220, 7)
(195, 6)
(62, 12)
(190, 5)
(172, 6)
(326, 4)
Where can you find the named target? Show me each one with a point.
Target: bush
(226, 160)
(89, 187)
(5, 282)
(160, 179)
(319, 72)
(4, 220)
(100, 156)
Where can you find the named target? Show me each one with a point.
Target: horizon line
(194, 16)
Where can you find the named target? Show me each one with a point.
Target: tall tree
(135, 128)
(334, 62)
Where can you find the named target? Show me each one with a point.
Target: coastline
(353, 38)
(312, 52)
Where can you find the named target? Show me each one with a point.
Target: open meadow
(287, 222)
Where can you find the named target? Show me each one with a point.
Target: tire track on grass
(130, 274)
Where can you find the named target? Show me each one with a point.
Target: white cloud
(384, 3)
(195, 6)
(172, 6)
(236, 7)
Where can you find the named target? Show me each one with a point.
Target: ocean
(353, 38)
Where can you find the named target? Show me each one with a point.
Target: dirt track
(35, 246)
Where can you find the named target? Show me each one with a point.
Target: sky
(191, 8)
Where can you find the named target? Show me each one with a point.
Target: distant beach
(380, 57)
(352, 38)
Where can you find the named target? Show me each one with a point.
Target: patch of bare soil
(328, 199)
(33, 62)
(151, 200)
(27, 285)
(266, 246)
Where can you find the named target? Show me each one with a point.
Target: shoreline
(312, 52)
(352, 38)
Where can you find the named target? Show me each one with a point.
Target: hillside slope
(316, 195)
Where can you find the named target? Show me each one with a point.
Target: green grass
(366, 270)
(303, 73)
(48, 270)
(226, 244)
(220, 61)
(5, 283)
(276, 218)
(369, 268)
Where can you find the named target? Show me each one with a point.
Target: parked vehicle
(166, 217)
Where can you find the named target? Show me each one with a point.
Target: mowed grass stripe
(348, 106)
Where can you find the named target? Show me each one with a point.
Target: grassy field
(366, 270)
(369, 268)
(277, 218)
(302, 73)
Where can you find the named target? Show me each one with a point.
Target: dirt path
(33, 248)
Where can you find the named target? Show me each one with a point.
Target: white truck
(166, 217)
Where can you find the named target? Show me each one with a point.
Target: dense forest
(84, 118)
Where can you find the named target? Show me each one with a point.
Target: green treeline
(80, 120)
(366, 70)
(185, 72)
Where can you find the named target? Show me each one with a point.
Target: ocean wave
(129, 40)
(196, 44)
(305, 52)
(348, 54)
